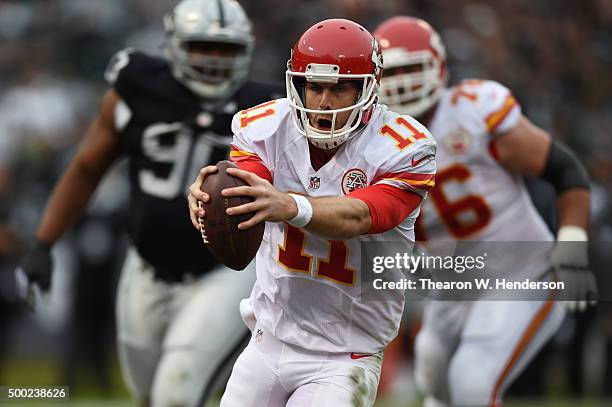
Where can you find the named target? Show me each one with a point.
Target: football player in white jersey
(468, 353)
(329, 169)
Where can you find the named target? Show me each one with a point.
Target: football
(231, 246)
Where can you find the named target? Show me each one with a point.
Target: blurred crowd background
(555, 55)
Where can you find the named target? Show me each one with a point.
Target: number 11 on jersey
(334, 267)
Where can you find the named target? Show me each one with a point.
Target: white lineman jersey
(475, 198)
(308, 290)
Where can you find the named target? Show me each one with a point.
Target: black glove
(34, 271)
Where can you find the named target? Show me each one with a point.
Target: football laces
(201, 223)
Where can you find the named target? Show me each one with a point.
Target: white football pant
(270, 373)
(468, 353)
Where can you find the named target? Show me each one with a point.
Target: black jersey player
(177, 308)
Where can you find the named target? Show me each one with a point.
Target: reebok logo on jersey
(360, 355)
(420, 160)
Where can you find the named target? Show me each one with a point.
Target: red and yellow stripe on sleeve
(237, 155)
(411, 179)
(496, 118)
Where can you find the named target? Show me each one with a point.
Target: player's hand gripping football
(569, 259)
(34, 274)
(196, 195)
(269, 203)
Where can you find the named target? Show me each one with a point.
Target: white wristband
(572, 234)
(304, 213)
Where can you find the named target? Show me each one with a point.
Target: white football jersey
(475, 198)
(308, 289)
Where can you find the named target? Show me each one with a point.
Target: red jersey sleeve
(250, 162)
(389, 205)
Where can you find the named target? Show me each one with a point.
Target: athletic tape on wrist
(304, 213)
(572, 234)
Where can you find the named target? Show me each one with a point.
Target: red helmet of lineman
(415, 65)
(328, 52)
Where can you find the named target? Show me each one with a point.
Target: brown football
(231, 246)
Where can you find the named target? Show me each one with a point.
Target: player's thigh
(344, 384)
(254, 382)
(499, 340)
(435, 344)
(141, 314)
(206, 334)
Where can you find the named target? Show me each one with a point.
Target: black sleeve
(563, 169)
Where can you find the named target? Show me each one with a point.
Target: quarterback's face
(329, 96)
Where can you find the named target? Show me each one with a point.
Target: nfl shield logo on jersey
(457, 142)
(315, 182)
(353, 179)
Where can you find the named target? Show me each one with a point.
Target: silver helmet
(211, 75)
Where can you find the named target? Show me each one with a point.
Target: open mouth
(323, 124)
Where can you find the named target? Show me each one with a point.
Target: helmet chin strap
(367, 114)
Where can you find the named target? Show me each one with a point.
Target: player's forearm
(573, 207)
(67, 202)
(339, 218)
(98, 150)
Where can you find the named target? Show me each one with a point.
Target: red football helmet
(415, 64)
(328, 52)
